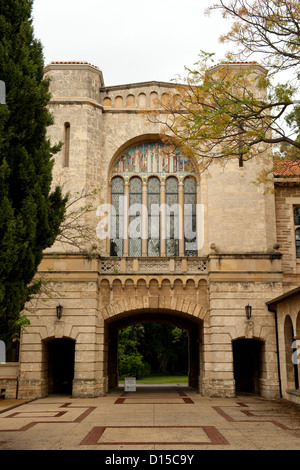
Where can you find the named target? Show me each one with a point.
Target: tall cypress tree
(30, 210)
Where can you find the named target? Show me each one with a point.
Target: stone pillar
(33, 378)
(112, 358)
(108, 238)
(200, 229)
(181, 218)
(89, 364)
(126, 219)
(144, 221)
(163, 219)
(194, 344)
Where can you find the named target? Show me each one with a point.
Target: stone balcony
(155, 266)
(230, 267)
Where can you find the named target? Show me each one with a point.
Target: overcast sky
(131, 41)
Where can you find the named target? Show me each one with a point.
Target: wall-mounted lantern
(248, 310)
(59, 310)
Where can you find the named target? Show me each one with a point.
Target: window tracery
(155, 176)
(152, 157)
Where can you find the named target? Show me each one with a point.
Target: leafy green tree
(131, 361)
(152, 348)
(165, 348)
(268, 31)
(31, 210)
(224, 112)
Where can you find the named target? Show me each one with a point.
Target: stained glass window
(153, 157)
(190, 204)
(297, 216)
(153, 162)
(153, 205)
(297, 236)
(117, 217)
(135, 217)
(172, 217)
(297, 231)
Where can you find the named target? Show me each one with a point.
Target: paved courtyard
(152, 418)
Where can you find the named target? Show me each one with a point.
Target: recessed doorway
(247, 359)
(61, 354)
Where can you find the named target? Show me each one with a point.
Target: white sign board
(2, 92)
(130, 384)
(2, 352)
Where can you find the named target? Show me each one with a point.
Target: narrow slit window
(66, 161)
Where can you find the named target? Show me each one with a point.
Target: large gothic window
(154, 198)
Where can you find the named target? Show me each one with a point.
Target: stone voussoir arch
(51, 333)
(119, 308)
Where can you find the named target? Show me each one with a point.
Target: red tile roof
(287, 168)
(75, 62)
(220, 64)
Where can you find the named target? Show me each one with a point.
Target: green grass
(161, 379)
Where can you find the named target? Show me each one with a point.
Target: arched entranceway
(192, 326)
(247, 362)
(61, 355)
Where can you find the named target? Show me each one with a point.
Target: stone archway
(136, 299)
(184, 321)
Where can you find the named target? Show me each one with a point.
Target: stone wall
(239, 212)
(286, 310)
(237, 263)
(9, 374)
(239, 216)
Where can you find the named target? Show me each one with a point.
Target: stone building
(221, 270)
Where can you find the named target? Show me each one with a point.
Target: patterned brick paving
(260, 416)
(130, 399)
(213, 436)
(156, 419)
